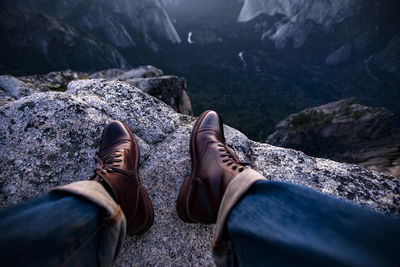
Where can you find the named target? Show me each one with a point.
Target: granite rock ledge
(48, 139)
(168, 88)
(344, 131)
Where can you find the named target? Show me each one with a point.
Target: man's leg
(81, 224)
(285, 224)
(62, 229)
(275, 223)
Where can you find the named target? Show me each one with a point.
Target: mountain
(35, 42)
(344, 131)
(296, 19)
(336, 31)
(258, 61)
(387, 60)
(85, 35)
(254, 61)
(48, 139)
(306, 31)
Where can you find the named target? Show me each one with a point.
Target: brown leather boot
(117, 169)
(214, 165)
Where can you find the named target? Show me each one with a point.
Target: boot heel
(181, 202)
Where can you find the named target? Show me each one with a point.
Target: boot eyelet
(234, 168)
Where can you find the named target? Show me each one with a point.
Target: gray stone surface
(123, 75)
(11, 89)
(169, 89)
(53, 81)
(48, 139)
(345, 131)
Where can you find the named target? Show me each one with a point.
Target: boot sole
(146, 226)
(181, 204)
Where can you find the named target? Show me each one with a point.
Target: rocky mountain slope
(79, 34)
(281, 57)
(336, 31)
(298, 19)
(49, 139)
(36, 42)
(258, 61)
(169, 89)
(344, 131)
(388, 60)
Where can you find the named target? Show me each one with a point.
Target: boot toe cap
(114, 131)
(211, 120)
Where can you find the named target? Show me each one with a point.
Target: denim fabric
(283, 224)
(113, 224)
(53, 230)
(221, 246)
(75, 225)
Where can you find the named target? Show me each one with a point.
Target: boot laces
(110, 163)
(231, 158)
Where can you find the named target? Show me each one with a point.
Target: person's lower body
(81, 224)
(260, 222)
(76, 225)
(283, 224)
(273, 223)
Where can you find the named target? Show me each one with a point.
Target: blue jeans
(274, 223)
(52, 230)
(75, 225)
(281, 224)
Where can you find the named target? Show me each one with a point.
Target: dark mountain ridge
(79, 34)
(279, 58)
(239, 68)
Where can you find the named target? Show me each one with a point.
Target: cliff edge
(344, 131)
(49, 138)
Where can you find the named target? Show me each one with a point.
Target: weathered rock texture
(169, 89)
(123, 75)
(12, 88)
(345, 131)
(48, 139)
(53, 81)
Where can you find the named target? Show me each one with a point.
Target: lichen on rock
(169, 89)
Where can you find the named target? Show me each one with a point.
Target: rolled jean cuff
(114, 222)
(222, 250)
